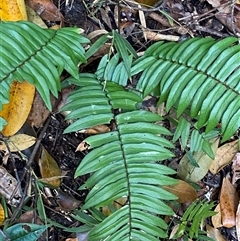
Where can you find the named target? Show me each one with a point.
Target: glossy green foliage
(123, 161)
(193, 219)
(38, 56)
(23, 232)
(199, 74)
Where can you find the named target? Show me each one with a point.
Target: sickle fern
(39, 56)
(123, 161)
(199, 74)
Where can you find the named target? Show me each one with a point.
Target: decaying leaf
(194, 174)
(39, 112)
(217, 218)
(66, 202)
(29, 217)
(18, 108)
(12, 10)
(224, 156)
(228, 203)
(226, 14)
(46, 9)
(34, 18)
(2, 214)
(49, 169)
(184, 191)
(238, 221)
(236, 168)
(214, 233)
(9, 187)
(18, 142)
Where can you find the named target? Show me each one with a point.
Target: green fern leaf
(123, 161)
(38, 56)
(200, 74)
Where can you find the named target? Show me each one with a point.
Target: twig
(27, 169)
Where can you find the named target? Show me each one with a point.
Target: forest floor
(142, 24)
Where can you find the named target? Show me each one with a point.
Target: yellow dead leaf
(12, 10)
(49, 169)
(214, 233)
(228, 203)
(185, 192)
(217, 218)
(18, 142)
(224, 156)
(2, 214)
(17, 110)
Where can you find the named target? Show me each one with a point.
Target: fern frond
(200, 74)
(38, 56)
(123, 161)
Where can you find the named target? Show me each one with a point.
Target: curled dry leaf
(49, 169)
(224, 156)
(228, 203)
(18, 108)
(214, 233)
(82, 146)
(184, 191)
(18, 142)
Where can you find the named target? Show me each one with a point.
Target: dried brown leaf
(67, 202)
(228, 203)
(39, 111)
(184, 191)
(238, 221)
(224, 156)
(46, 9)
